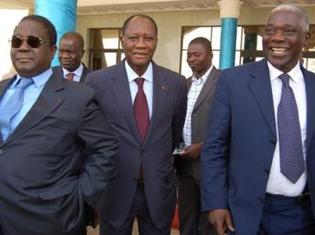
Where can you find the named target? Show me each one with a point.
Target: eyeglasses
(32, 41)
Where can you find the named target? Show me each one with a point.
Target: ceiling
(86, 7)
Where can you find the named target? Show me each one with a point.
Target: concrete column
(229, 13)
(62, 13)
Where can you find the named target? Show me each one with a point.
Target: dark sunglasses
(32, 41)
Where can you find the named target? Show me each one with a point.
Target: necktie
(141, 110)
(14, 104)
(70, 76)
(290, 142)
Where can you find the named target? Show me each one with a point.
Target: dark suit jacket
(169, 105)
(91, 216)
(199, 123)
(59, 72)
(239, 147)
(40, 193)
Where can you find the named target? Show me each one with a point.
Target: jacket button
(274, 142)
(267, 171)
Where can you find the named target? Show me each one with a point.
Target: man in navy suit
(249, 185)
(144, 186)
(41, 191)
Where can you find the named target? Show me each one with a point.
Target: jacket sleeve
(215, 152)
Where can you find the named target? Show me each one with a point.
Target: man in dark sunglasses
(45, 121)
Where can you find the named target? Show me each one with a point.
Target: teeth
(278, 50)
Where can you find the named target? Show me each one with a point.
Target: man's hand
(221, 220)
(192, 151)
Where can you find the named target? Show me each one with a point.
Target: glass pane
(216, 58)
(185, 69)
(259, 58)
(216, 38)
(259, 43)
(311, 64)
(239, 38)
(191, 33)
(110, 58)
(122, 56)
(237, 58)
(110, 38)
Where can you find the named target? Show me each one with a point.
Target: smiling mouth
(278, 51)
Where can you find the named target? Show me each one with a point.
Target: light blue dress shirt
(31, 94)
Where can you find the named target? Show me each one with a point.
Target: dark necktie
(290, 142)
(70, 76)
(14, 103)
(141, 110)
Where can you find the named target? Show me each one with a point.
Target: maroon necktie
(70, 76)
(141, 110)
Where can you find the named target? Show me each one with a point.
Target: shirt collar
(77, 72)
(39, 80)
(203, 78)
(132, 75)
(295, 73)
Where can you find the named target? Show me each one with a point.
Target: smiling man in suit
(201, 88)
(258, 159)
(145, 104)
(70, 54)
(45, 120)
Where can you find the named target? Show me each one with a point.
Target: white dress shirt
(194, 91)
(147, 85)
(76, 73)
(277, 182)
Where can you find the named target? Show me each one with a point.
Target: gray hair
(295, 9)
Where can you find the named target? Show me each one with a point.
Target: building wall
(170, 25)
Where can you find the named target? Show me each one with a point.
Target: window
(248, 45)
(105, 48)
(212, 33)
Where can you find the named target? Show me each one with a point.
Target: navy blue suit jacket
(240, 144)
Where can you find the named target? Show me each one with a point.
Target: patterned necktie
(70, 76)
(141, 110)
(290, 142)
(14, 104)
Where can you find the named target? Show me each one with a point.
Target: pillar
(62, 13)
(229, 13)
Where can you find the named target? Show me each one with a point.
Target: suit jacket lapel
(48, 100)
(309, 79)
(207, 87)
(121, 93)
(259, 85)
(160, 89)
(84, 74)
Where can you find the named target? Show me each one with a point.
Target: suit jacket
(155, 154)
(240, 144)
(58, 70)
(90, 214)
(199, 123)
(41, 194)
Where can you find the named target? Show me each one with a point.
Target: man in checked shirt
(201, 88)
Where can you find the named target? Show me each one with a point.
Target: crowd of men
(235, 148)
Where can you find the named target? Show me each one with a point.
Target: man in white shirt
(201, 88)
(70, 54)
